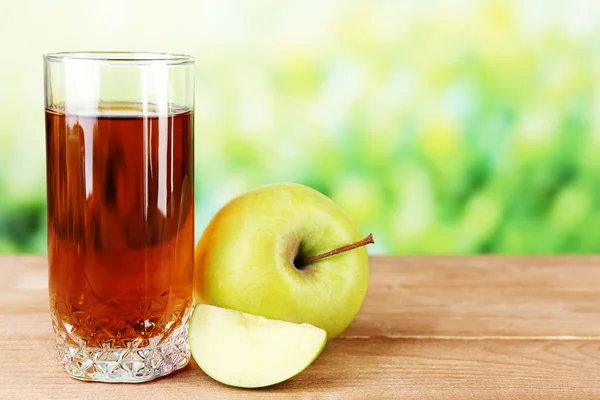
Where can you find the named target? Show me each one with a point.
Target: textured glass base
(131, 364)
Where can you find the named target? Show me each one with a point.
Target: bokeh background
(440, 126)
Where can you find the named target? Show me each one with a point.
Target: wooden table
(483, 327)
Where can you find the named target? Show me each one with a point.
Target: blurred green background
(440, 126)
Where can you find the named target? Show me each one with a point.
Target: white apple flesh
(250, 258)
(249, 351)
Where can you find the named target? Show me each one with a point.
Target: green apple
(245, 350)
(257, 255)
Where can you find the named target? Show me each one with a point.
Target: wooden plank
(442, 312)
(429, 296)
(351, 368)
(580, 273)
(432, 327)
(526, 272)
(466, 296)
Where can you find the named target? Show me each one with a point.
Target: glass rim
(121, 57)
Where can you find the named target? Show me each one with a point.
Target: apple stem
(348, 247)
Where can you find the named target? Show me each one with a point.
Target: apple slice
(249, 351)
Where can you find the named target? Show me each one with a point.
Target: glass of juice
(120, 186)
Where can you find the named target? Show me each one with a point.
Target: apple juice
(120, 226)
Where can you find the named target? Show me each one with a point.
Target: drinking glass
(120, 185)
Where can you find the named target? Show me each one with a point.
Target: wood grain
(481, 296)
(431, 328)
